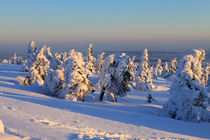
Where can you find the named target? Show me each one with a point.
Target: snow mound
(1, 127)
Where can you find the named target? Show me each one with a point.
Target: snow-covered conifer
(16, 60)
(99, 62)
(54, 81)
(143, 78)
(31, 55)
(206, 74)
(76, 81)
(173, 66)
(189, 97)
(115, 77)
(38, 70)
(13, 59)
(132, 67)
(90, 66)
(158, 69)
(166, 73)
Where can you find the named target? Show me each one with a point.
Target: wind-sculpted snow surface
(28, 113)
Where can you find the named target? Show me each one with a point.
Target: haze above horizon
(110, 25)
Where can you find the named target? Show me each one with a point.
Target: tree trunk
(102, 94)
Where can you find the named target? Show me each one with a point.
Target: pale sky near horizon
(118, 24)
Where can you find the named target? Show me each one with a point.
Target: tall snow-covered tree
(76, 80)
(90, 66)
(132, 67)
(38, 70)
(158, 69)
(31, 55)
(144, 76)
(99, 62)
(115, 77)
(189, 98)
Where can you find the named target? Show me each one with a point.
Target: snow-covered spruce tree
(13, 59)
(90, 65)
(173, 66)
(206, 74)
(38, 70)
(54, 81)
(166, 73)
(158, 69)
(31, 55)
(189, 97)
(115, 77)
(16, 60)
(144, 77)
(58, 60)
(132, 67)
(76, 81)
(99, 62)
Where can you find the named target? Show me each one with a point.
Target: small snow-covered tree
(99, 62)
(115, 77)
(173, 66)
(206, 74)
(54, 81)
(38, 70)
(132, 67)
(158, 69)
(16, 60)
(166, 73)
(76, 81)
(13, 59)
(189, 97)
(90, 66)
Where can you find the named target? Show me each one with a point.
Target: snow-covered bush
(4, 61)
(189, 98)
(76, 81)
(158, 69)
(54, 81)
(99, 62)
(115, 77)
(144, 77)
(38, 71)
(90, 66)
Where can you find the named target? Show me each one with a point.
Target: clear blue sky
(118, 24)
